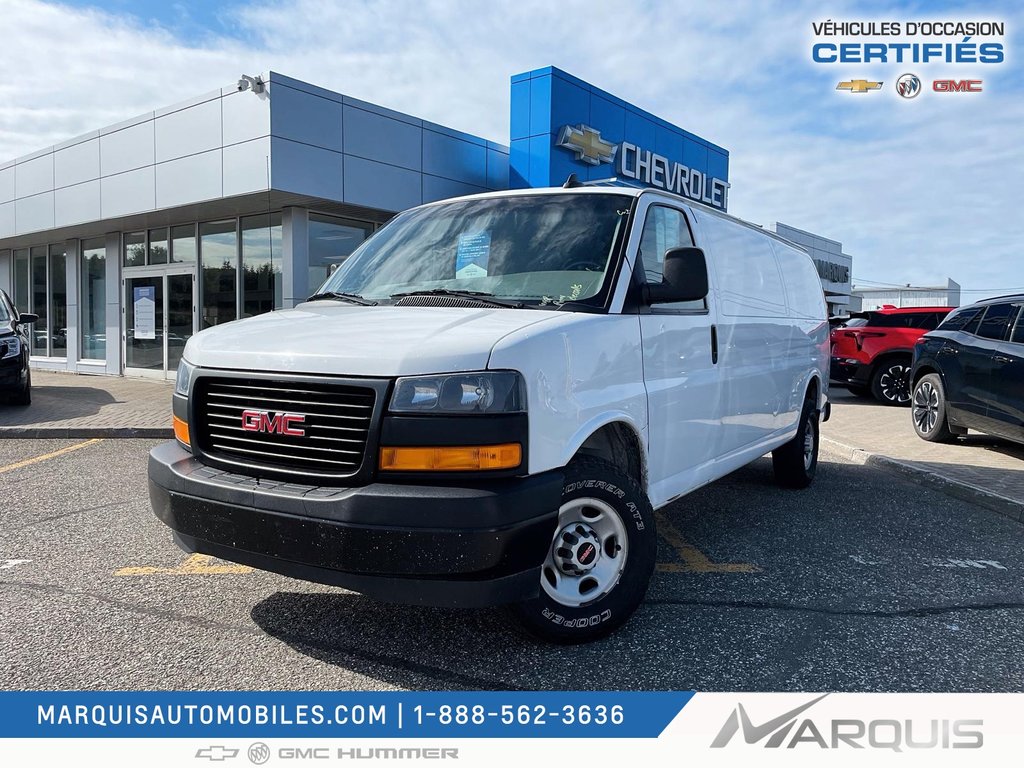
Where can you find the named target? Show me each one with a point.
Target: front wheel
(600, 561)
(891, 382)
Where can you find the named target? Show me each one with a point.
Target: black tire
(890, 383)
(546, 618)
(928, 410)
(25, 396)
(796, 462)
(856, 391)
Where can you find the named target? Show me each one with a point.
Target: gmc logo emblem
(957, 86)
(275, 423)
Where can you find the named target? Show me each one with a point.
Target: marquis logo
(790, 731)
(587, 144)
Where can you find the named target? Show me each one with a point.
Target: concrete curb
(1004, 505)
(38, 433)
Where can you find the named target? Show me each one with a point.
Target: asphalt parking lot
(865, 582)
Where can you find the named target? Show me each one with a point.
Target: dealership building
(129, 239)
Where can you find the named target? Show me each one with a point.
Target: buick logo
(259, 753)
(908, 86)
(292, 424)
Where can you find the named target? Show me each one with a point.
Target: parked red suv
(872, 351)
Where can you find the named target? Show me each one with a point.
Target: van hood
(340, 339)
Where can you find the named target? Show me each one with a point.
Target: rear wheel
(600, 560)
(796, 462)
(929, 410)
(891, 382)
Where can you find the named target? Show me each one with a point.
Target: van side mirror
(26, 317)
(684, 277)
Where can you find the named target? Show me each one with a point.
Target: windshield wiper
(481, 296)
(351, 298)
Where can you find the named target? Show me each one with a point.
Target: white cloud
(915, 190)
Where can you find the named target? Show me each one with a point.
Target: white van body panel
(582, 371)
(330, 337)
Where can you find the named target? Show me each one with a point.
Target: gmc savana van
(488, 400)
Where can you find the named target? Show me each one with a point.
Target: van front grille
(307, 427)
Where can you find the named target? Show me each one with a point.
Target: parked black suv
(15, 377)
(969, 373)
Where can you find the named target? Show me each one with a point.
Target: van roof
(620, 189)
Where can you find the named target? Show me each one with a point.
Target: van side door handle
(714, 344)
(1002, 358)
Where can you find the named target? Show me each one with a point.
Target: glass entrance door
(159, 317)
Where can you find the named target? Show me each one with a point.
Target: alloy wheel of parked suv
(929, 409)
(891, 383)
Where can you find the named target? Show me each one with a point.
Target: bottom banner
(497, 728)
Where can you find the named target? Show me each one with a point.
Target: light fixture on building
(254, 84)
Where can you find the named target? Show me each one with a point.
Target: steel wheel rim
(926, 407)
(895, 385)
(600, 518)
(808, 445)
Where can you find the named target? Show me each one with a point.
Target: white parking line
(7, 564)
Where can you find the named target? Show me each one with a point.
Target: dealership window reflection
(261, 263)
(93, 299)
(218, 254)
(331, 241)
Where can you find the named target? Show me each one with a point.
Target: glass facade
(331, 241)
(218, 253)
(183, 244)
(135, 249)
(261, 263)
(238, 265)
(40, 333)
(158, 246)
(92, 272)
(58, 297)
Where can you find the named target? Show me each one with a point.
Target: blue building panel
(302, 116)
(540, 106)
(606, 138)
(379, 185)
(437, 188)
(519, 127)
(383, 139)
(497, 169)
(307, 170)
(454, 158)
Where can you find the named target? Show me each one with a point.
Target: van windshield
(540, 250)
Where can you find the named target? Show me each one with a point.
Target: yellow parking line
(48, 456)
(194, 565)
(694, 561)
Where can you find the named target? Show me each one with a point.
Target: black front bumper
(466, 545)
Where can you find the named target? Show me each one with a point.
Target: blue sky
(916, 190)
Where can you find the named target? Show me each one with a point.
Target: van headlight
(483, 392)
(184, 378)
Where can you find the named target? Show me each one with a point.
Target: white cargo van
(488, 400)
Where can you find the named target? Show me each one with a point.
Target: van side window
(664, 228)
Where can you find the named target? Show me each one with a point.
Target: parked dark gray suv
(969, 373)
(15, 377)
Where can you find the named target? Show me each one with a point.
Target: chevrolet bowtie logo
(216, 753)
(587, 144)
(858, 86)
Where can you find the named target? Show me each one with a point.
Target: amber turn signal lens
(451, 458)
(181, 431)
